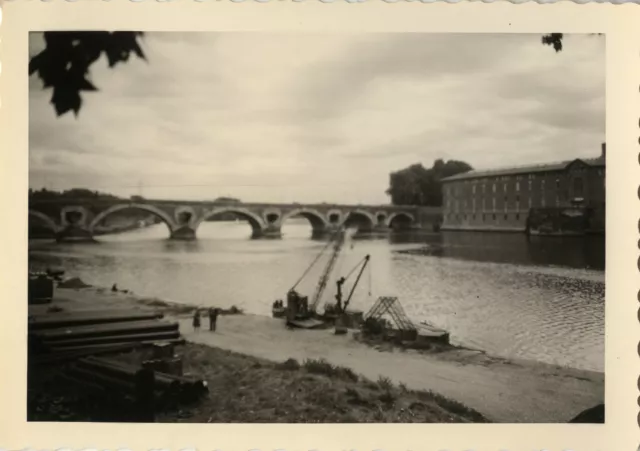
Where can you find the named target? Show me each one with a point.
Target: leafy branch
(64, 63)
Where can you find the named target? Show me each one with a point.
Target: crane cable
(354, 268)
(311, 265)
(370, 282)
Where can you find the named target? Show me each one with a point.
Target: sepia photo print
(289, 227)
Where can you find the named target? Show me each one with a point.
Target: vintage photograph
(287, 227)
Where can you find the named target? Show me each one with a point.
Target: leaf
(34, 63)
(554, 40)
(113, 55)
(138, 51)
(65, 100)
(86, 85)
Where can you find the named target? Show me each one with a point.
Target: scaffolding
(392, 306)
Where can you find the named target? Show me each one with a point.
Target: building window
(517, 197)
(494, 203)
(494, 216)
(578, 187)
(483, 217)
(517, 216)
(557, 183)
(483, 188)
(517, 186)
(557, 201)
(529, 185)
(474, 216)
(504, 187)
(544, 201)
(530, 202)
(473, 189)
(506, 216)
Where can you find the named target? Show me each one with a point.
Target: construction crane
(322, 283)
(342, 280)
(297, 306)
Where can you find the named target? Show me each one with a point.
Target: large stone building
(508, 199)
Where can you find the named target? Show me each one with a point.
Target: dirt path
(504, 390)
(507, 391)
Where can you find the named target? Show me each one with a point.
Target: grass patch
(245, 389)
(385, 383)
(321, 366)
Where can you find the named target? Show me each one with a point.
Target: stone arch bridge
(78, 220)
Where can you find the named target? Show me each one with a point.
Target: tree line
(417, 185)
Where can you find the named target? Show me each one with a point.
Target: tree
(416, 185)
(65, 61)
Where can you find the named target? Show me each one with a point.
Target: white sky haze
(317, 117)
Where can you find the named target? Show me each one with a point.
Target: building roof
(528, 169)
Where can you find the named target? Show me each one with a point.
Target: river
(540, 299)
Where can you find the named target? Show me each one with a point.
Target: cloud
(317, 117)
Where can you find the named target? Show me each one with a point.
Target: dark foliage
(228, 200)
(417, 185)
(73, 194)
(554, 40)
(64, 63)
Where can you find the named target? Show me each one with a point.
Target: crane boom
(322, 284)
(355, 284)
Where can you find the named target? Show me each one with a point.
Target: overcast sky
(317, 117)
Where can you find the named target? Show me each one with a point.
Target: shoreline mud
(503, 390)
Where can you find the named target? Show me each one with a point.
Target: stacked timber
(107, 390)
(113, 376)
(69, 336)
(88, 317)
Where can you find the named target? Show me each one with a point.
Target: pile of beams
(108, 376)
(69, 336)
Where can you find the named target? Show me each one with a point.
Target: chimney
(604, 150)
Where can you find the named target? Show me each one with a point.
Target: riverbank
(503, 390)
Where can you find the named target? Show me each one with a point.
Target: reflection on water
(539, 299)
(575, 252)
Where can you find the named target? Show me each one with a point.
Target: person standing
(213, 318)
(196, 320)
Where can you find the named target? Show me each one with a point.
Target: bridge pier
(183, 234)
(75, 234)
(381, 228)
(271, 232)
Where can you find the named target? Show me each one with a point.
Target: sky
(268, 117)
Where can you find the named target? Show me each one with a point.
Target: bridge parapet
(79, 219)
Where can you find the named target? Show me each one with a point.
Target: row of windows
(533, 176)
(456, 203)
(484, 216)
(578, 183)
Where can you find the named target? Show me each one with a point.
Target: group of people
(213, 318)
(278, 304)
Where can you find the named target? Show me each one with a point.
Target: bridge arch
(144, 207)
(369, 218)
(46, 220)
(256, 222)
(405, 216)
(317, 219)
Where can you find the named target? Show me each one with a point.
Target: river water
(540, 299)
